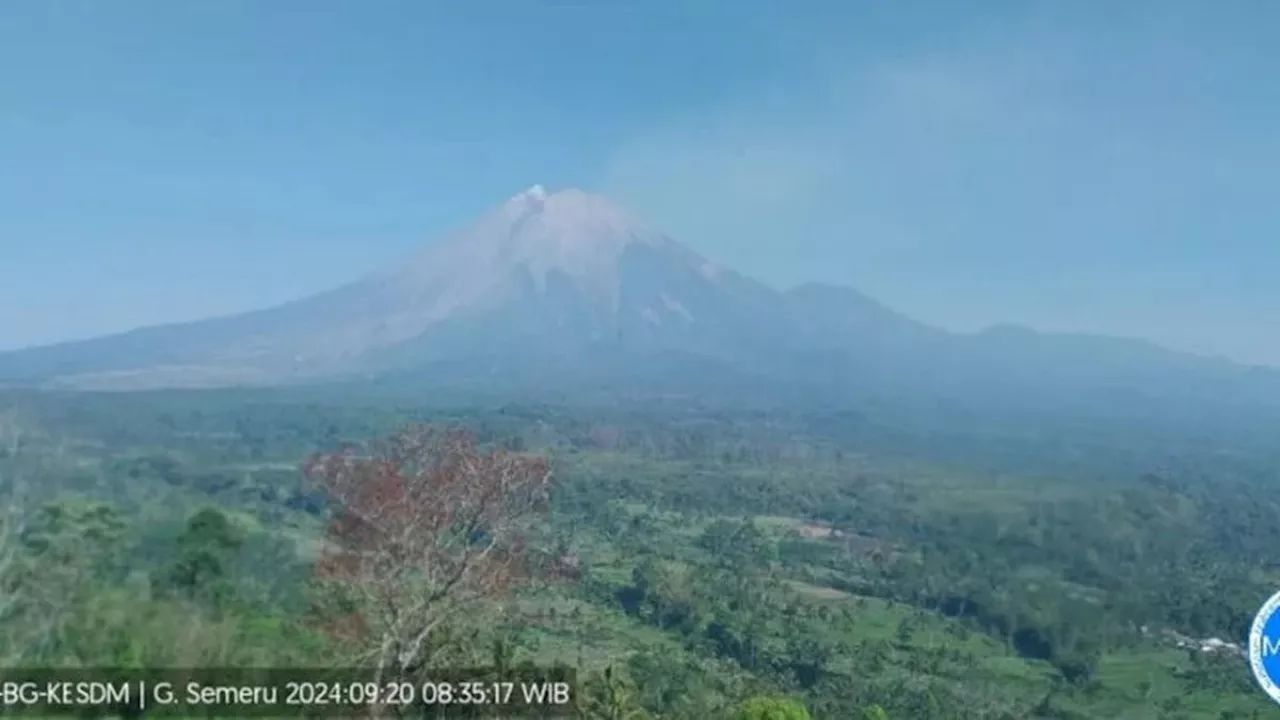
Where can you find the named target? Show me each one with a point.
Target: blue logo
(1264, 647)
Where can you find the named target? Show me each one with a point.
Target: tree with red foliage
(423, 528)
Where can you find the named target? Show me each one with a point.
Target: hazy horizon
(1084, 168)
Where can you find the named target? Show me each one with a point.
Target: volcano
(568, 279)
(569, 289)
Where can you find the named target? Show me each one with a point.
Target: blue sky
(1100, 166)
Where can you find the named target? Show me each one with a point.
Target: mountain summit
(566, 275)
(567, 289)
(534, 235)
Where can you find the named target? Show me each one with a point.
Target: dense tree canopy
(687, 562)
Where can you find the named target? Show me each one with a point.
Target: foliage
(772, 708)
(425, 528)
(204, 570)
(875, 712)
(700, 557)
(609, 695)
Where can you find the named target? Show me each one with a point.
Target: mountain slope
(569, 291)
(568, 275)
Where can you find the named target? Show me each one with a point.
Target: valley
(715, 556)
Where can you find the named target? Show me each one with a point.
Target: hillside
(718, 556)
(569, 293)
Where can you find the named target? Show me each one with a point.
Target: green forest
(681, 561)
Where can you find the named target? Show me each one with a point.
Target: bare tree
(11, 433)
(20, 628)
(425, 527)
(10, 534)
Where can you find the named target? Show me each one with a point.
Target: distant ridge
(569, 290)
